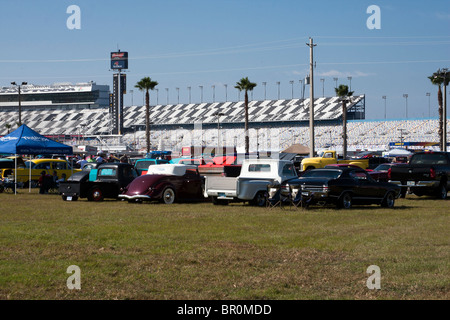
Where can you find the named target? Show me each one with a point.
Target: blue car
(141, 165)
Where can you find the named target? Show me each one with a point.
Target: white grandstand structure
(274, 125)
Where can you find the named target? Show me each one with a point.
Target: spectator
(44, 182)
(82, 162)
(63, 178)
(124, 159)
(99, 158)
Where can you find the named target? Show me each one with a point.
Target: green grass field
(201, 251)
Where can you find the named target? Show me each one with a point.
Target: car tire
(260, 199)
(442, 192)
(96, 194)
(389, 200)
(168, 196)
(345, 201)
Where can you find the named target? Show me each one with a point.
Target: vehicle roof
(47, 160)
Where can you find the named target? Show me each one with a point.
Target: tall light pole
(214, 92)
(226, 92)
(406, 99)
(167, 93)
(264, 84)
(323, 87)
(218, 115)
(178, 95)
(350, 79)
(189, 89)
(278, 84)
(201, 94)
(429, 104)
(131, 91)
(335, 80)
(19, 98)
(292, 88)
(302, 93)
(157, 96)
(384, 98)
(311, 46)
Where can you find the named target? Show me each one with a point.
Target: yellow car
(37, 166)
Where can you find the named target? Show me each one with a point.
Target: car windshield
(382, 167)
(330, 174)
(144, 164)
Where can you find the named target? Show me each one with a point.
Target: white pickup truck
(251, 184)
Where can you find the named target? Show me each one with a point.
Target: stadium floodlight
(405, 95)
(264, 84)
(19, 98)
(384, 98)
(278, 84)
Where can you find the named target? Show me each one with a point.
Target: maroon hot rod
(168, 183)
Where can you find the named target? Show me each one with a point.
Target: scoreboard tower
(119, 62)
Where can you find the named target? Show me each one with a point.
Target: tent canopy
(297, 149)
(397, 153)
(24, 140)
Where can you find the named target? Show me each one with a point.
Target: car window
(259, 168)
(60, 165)
(289, 170)
(144, 164)
(429, 159)
(358, 175)
(107, 172)
(43, 165)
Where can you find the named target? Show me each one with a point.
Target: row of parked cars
(262, 181)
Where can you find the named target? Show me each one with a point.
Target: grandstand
(274, 125)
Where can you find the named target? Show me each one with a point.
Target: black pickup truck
(106, 182)
(428, 173)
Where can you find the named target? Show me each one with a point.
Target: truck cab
(251, 184)
(330, 157)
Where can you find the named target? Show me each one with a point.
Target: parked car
(142, 165)
(107, 182)
(380, 173)
(37, 166)
(168, 183)
(428, 173)
(343, 187)
(251, 184)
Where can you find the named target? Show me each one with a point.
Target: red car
(168, 183)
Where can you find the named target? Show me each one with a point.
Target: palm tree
(8, 126)
(146, 84)
(245, 85)
(438, 81)
(343, 94)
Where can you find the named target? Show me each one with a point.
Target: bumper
(417, 184)
(135, 197)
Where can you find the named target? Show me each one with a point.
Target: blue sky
(196, 43)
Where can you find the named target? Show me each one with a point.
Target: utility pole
(311, 96)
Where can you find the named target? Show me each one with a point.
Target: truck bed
(217, 185)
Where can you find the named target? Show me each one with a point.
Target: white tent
(397, 153)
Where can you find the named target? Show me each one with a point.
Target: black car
(343, 187)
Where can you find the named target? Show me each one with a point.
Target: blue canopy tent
(24, 140)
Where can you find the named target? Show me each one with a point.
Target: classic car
(342, 187)
(37, 166)
(168, 183)
(380, 173)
